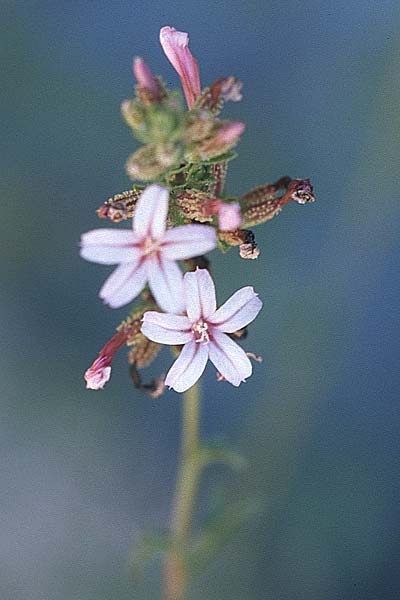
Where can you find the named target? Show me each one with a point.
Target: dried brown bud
(193, 205)
(234, 238)
(119, 207)
(143, 351)
(262, 204)
(222, 90)
(267, 191)
(249, 251)
(218, 172)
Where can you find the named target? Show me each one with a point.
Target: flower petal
(124, 284)
(238, 311)
(166, 284)
(229, 358)
(188, 367)
(199, 292)
(151, 212)
(187, 241)
(166, 328)
(109, 246)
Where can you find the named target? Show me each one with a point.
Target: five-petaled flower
(148, 253)
(203, 331)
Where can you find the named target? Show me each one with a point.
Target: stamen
(150, 246)
(200, 330)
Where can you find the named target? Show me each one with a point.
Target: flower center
(200, 330)
(150, 246)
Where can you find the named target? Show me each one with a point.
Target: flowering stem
(175, 570)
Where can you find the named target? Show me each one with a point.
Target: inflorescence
(179, 213)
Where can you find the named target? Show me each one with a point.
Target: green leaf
(219, 531)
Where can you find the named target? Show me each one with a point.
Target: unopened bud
(226, 137)
(149, 87)
(150, 161)
(176, 47)
(132, 114)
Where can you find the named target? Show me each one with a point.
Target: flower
(148, 254)
(203, 332)
(176, 47)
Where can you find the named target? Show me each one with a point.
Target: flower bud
(132, 114)
(149, 87)
(151, 161)
(176, 47)
(226, 137)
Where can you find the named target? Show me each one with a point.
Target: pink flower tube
(176, 47)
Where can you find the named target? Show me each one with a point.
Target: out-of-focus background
(84, 474)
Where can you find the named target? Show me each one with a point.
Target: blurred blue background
(83, 474)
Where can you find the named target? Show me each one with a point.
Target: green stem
(175, 569)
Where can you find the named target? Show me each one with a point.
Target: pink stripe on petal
(199, 292)
(151, 212)
(124, 284)
(188, 367)
(187, 241)
(166, 328)
(237, 312)
(108, 246)
(230, 360)
(166, 284)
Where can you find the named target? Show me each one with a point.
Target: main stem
(175, 567)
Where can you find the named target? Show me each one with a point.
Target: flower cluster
(181, 215)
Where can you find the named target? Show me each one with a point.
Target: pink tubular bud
(230, 133)
(100, 371)
(176, 47)
(145, 78)
(229, 216)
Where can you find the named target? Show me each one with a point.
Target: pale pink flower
(203, 332)
(229, 217)
(148, 253)
(176, 47)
